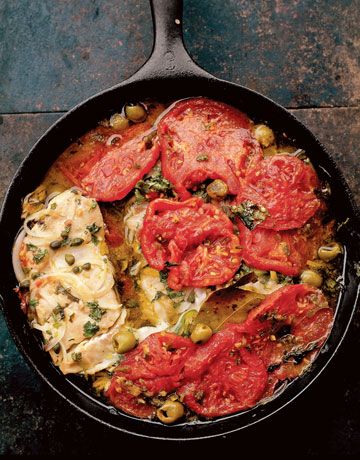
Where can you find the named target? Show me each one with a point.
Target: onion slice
(19, 273)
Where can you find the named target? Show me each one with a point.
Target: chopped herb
(95, 239)
(250, 213)
(90, 329)
(191, 297)
(96, 313)
(33, 303)
(131, 303)
(38, 253)
(93, 228)
(157, 296)
(93, 204)
(164, 276)
(177, 296)
(31, 247)
(202, 193)
(53, 205)
(58, 313)
(202, 158)
(66, 292)
(154, 183)
(170, 264)
(76, 356)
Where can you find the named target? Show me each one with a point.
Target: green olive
(170, 411)
(329, 251)
(201, 333)
(217, 189)
(311, 277)
(70, 259)
(185, 323)
(264, 135)
(135, 112)
(124, 341)
(118, 122)
(55, 244)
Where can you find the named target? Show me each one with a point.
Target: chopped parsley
(250, 213)
(90, 329)
(76, 356)
(202, 193)
(66, 292)
(38, 253)
(163, 276)
(157, 296)
(154, 183)
(96, 313)
(33, 303)
(131, 303)
(191, 297)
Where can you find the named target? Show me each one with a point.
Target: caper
(170, 411)
(135, 112)
(124, 341)
(311, 277)
(76, 241)
(24, 284)
(329, 251)
(55, 244)
(118, 122)
(76, 270)
(264, 135)
(201, 333)
(217, 189)
(70, 259)
(86, 266)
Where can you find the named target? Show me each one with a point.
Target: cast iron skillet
(170, 73)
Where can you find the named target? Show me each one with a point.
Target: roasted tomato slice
(116, 173)
(80, 158)
(284, 251)
(234, 381)
(196, 239)
(284, 186)
(155, 365)
(204, 139)
(288, 328)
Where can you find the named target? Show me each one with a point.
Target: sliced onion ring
(19, 273)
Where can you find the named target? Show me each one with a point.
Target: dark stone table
(303, 54)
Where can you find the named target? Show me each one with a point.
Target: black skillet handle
(169, 57)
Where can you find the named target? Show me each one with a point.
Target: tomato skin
(153, 366)
(196, 236)
(285, 186)
(284, 251)
(117, 172)
(286, 326)
(204, 139)
(93, 148)
(233, 382)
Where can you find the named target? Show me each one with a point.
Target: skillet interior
(150, 82)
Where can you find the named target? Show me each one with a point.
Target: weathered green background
(304, 54)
